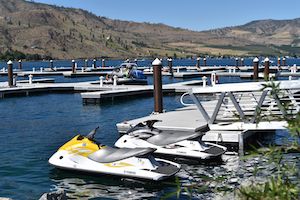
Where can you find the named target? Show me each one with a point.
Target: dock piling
(255, 68)
(236, 62)
(115, 78)
(94, 63)
(101, 81)
(86, 63)
(198, 62)
(204, 62)
(267, 68)
(33, 69)
(15, 80)
(20, 64)
(51, 64)
(30, 78)
(103, 62)
(158, 101)
(242, 61)
(213, 78)
(41, 69)
(170, 63)
(294, 69)
(283, 61)
(10, 73)
(204, 78)
(73, 67)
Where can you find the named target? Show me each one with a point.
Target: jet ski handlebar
(92, 134)
(147, 123)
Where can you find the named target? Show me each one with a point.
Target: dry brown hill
(35, 28)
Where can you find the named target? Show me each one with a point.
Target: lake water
(34, 127)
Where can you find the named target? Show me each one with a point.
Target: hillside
(65, 33)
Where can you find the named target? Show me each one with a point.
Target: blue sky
(191, 14)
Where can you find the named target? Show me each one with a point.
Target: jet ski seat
(171, 137)
(109, 154)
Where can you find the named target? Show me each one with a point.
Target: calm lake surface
(34, 127)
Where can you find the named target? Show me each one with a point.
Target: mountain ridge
(67, 33)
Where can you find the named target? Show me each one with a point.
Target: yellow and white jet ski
(170, 143)
(83, 153)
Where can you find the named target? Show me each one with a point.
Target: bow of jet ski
(169, 143)
(83, 153)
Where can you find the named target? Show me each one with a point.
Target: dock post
(198, 63)
(283, 61)
(51, 64)
(33, 69)
(204, 78)
(242, 61)
(294, 68)
(41, 69)
(10, 73)
(213, 78)
(20, 65)
(103, 62)
(101, 81)
(86, 63)
(170, 63)
(204, 62)
(241, 144)
(158, 101)
(30, 78)
(236, 62)
(94, 63)
(255, 68)
(73, 67)
(267, 68)
(15, 80)
(115, 77)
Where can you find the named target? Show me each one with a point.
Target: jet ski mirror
(92, 134)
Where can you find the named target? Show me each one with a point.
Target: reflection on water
(85, 186)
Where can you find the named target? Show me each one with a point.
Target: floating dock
(232, 116)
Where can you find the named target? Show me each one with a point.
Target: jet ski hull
(192, 149)
(126, 168)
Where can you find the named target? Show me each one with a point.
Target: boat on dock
(128, 72)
